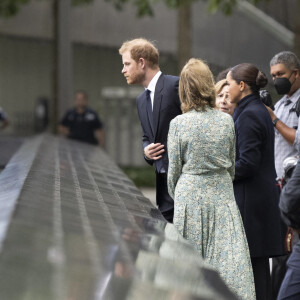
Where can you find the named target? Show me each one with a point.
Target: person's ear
(242, 86)
(142, 62)
(296, 73)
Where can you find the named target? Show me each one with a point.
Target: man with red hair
(157, 106)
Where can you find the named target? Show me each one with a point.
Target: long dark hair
(249, 74)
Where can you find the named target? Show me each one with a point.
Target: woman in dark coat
(254, 184)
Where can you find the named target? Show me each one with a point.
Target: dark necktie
(149, 109)
(287, 102)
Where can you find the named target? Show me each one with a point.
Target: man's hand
(99, 133)
(271, 112)
(289, 134)
(154, 151)
(63, 130)
(4, 124)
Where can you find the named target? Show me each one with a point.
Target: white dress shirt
(152, 85)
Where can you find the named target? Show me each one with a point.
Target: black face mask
(283, 85)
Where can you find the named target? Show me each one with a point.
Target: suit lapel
(158, 96)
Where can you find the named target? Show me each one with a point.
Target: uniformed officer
(82, 123)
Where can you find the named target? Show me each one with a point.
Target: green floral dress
(201, 149)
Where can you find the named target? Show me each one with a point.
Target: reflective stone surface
(9, 146)
(73, 226)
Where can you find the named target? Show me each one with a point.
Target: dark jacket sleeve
(98, 124)
(290, 200)
(249, 143)
(65, 121)
(145, 137)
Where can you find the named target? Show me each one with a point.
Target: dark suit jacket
(290, 200)
(290, 203)
(166, 107)
(255, 187)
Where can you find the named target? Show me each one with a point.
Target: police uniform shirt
(82, 126)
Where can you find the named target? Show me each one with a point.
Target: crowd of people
(218, 153)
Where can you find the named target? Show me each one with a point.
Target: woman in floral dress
(201, 149)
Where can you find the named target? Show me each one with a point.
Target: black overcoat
(255, 188)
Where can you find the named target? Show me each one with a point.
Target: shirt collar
(152, 84)
(243, 103)
(293, 98)
(246, 99)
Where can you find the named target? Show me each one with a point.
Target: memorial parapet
(73, 226)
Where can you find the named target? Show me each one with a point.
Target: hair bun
(261, 79)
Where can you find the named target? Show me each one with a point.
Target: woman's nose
(226, 99)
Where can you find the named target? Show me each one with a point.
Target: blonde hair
(141, 48)
(219, 85)
(196, 86)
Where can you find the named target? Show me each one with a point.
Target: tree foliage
(145, 7)
(10, 8)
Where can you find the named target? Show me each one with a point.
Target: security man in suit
(157, 106)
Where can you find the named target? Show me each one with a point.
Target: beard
(135, 78)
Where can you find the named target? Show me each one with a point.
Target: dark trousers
(279, 263)
(262, 277)
(163, 200)
(290, 287)
(278, 273)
